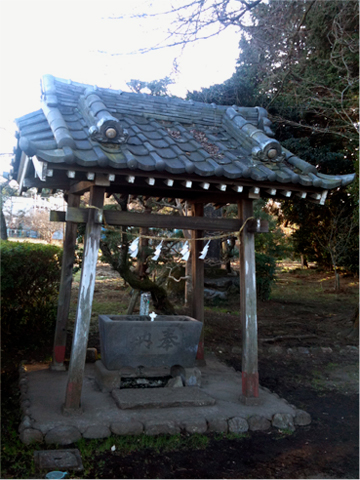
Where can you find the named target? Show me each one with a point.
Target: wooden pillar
(65, 290)
(86, 293)
(198, 278)
(248, 311)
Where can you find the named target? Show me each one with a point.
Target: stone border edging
(68, 434)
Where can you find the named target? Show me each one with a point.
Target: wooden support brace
(65, 290)
(83, 314)
(248, 312)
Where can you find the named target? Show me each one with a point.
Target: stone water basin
(135, 340)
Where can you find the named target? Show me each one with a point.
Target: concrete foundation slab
(43, 395)
(139, 398)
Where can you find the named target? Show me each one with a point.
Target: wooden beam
(81, 187)
(80, 215)
(83, 314)
(197, 267)
(40, 168)
(65, 289)
(248, 312)
(254, 192)
(24, 164)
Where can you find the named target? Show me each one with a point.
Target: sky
(66, 38)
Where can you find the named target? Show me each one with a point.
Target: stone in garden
(258, 422)
(63, 435)
(192, 377)
(91, 355)
(326, 349)
(276, 349)
(161, 427)
(26, 423)
(131, 427)
(195, 425)
(236, 350)
(222, 283)
(106, 379)
(25, 403)
(175, 382)
(283, 421)
(218, 425)
(214, 295)
(97, 431)
(238, 425)
(24, 388)
(69, 459)
(303, 350)
(302, 418)
(31, 435)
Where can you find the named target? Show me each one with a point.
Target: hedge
(30, 277)
(265, 275)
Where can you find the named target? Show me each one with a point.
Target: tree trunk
(188, 283)
(121, 265)
(3, 227)
(337, 276)
(134, 297)
(337, 282)
(303, 261)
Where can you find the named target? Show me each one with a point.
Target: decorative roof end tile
(106, 128)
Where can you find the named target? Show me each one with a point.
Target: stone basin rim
(146, 318)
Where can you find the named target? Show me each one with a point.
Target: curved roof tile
(95, 127)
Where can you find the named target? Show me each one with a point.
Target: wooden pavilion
(85, 138)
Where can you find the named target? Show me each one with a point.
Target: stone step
(161, 398)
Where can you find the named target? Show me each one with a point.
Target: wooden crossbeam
(81, 215)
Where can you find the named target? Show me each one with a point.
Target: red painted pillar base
(59, 353)
(73, 393)
(58, 360)
(250, 389)
(200, 351)
(250, 384)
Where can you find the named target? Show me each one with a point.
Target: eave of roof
(89, 130)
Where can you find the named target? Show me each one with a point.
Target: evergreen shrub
(30, 277)
(265, 275)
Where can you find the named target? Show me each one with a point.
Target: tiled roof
(94, 129)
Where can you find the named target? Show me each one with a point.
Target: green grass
(222, 310)
(127, 444)
(103, 307)
(107, 307)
